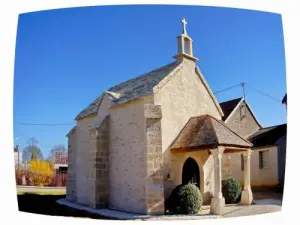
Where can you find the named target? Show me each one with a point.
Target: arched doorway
(190, 172)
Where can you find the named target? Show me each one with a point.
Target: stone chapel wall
(71, 185)
(82, 152)
(182, 97)
(98, 165)
(127, 157)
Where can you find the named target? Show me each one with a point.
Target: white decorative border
(8, 23)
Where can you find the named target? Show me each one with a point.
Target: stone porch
(205, 133)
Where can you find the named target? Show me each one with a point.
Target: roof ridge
(167, 78)
(273, 126)
(214, 129)
(222, 123)
(131, 89)
(140, 76)
(82, 112)
(232, 100)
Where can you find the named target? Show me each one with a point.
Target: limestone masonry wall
(127, 157)
(103, 110)
(99, 166)
(82, 152)
(206, 168)
(182, 97)
(155, 184)
(71, 185)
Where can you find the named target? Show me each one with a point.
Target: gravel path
(263, 203)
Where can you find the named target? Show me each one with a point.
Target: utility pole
(17, 147)
(243, 85)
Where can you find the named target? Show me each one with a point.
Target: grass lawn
(55, 192)
(41, 191)
(46, 204)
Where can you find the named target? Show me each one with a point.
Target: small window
(263, 159)
(242, 162)
(243, 112)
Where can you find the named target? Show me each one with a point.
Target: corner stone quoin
(152, 111)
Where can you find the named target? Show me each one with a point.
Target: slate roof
(284, 100)
(71, 131)
(229, 106)
(131, 89)
(207, 131)
(268, 135)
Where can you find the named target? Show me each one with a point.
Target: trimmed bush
(231, 190)
(184, 199)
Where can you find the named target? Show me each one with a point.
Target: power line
(226, 89)
(262, 93)
(243, 85)
(45, 124)
(244, 91)
(21, 134)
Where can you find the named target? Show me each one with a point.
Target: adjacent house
(61, 162)
(281, 144)
(267, 156)
(18, 157)
(140, 139)
(61, 168)
(284, 100)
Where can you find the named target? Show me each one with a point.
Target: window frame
(263, 159)
(242, 162)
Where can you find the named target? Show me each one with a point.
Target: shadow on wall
(172, 175)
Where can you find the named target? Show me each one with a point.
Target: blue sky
(65, 58)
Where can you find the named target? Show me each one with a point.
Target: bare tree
(56, 149)
(32, 151)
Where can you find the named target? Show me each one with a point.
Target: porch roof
(207, 132)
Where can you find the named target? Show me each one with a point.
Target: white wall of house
(266, 176)
(18, 158)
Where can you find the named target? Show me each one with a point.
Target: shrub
(39, 173)
(231, 190)
(184, 199)
(18, 177)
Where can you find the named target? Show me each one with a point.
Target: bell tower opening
(185, 46)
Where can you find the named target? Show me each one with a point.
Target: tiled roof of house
(131, 89)
(268, 135)
(207, 131)
(229, 106)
